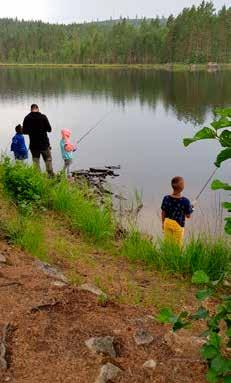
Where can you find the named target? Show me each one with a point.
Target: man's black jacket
(36, 125)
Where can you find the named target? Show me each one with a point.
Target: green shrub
(24, 183)
(218, 327)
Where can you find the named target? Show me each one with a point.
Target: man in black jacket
(36, 126)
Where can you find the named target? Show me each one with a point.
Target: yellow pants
(173, 231)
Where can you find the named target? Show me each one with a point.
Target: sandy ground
(48, 327)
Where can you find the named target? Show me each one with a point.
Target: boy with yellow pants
(175, 209)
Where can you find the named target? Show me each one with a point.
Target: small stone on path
(92, 289)
(102, 345)
(108, 372)
(151, 364)
(2, 258)
(50, 270)
(143, 337)
(59, 284)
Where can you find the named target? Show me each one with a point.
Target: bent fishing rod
(94, 126)
(205, 185)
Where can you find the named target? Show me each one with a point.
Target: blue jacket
(19, 148)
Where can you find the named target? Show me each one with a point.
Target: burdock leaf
(203, 134)
(223, 122)
(225, 138)
(228, 225)
(223, 156)
(216, 185)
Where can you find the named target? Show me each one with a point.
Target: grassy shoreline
(31, 195)
(167, 67)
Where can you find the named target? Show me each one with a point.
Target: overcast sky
(67, 11)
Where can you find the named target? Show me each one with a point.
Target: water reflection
(189, 94)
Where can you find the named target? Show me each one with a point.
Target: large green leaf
(223, 156)
(225, 138)
(200, 277)
(227, 379)
(223, 112)
(211, 376)
(215, 340)
(166, 316)
(227, 206)
(203, 134)
(221, 365)
(209, 351)
(217, 185)
(223, 122)
(228, 225)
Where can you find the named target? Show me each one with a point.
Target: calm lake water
(152, 111)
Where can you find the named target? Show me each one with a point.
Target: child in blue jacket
(18, 146)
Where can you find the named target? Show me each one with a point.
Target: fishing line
(206, 184)
(94, 127)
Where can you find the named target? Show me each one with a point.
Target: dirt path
(47, 343)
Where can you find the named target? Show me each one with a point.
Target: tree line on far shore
(196, 35)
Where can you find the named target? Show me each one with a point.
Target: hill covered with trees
(196, 35)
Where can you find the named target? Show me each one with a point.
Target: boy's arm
(163, 216)
(189, 210)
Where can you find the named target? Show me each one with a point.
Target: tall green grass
(28, 234)
(210, 255)
(83, 212)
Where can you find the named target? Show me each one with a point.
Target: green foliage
(122, 41)
(219, 366)
(222, 120)
(24, 184)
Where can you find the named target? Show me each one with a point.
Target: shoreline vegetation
(29, 197)
(211, 67)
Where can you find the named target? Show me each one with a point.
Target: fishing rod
(95, 126)
(205, 185)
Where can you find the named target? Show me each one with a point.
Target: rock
(184, 344)
(151, 364)
(2, 258)
(227, 283)
(51, 271)
(102, 345)
(143, 337)
(59, 284)
(108, 372)
(92, 289)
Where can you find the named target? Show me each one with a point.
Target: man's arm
(47, 124)
(25, 128)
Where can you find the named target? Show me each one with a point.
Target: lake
(150, 112)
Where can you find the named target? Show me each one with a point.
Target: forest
(197, 35)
